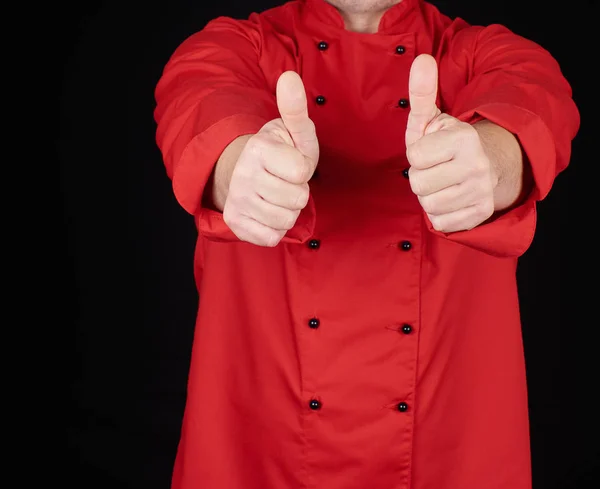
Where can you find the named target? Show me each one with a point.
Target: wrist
(506, 159)
(221, 176)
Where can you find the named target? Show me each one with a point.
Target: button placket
(314, 244)
(321, 46)
(401, 50)
(405, 328)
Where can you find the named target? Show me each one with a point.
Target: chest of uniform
(357, 90)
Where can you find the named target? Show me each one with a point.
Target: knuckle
(474, 168)
(276, 130)
(281, 222)
(465, 136)
(442, 121)
(238, 200)
(254, 142)
(469, 133)
(481, 166)
(271, 238)
(487, 208)
(436, 222)
(429, 205)
(413, 154)
(255, 146)
(272, 125)
(302, 198)
(302, 170)
(470, 226)
(306, 170)
(230, 218)
(288, 220)
(482, 212)
(416, 184)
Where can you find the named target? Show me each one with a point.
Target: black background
(127, 296)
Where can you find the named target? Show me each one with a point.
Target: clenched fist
(269, 182)
(450, 170)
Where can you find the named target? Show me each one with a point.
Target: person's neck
(365, 22)
(362, 15)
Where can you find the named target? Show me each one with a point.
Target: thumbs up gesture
(269, 183)
(450, 172)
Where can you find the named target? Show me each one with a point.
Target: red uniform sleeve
(518, 85)
(212, 90)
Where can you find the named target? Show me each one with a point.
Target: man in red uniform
(364, 176)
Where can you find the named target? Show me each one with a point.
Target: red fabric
(256, 362)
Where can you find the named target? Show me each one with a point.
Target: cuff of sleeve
(511, 233)
(190, 179)
(508, 235)
(212, 226)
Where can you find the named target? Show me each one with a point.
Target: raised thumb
(422, 90)
(293, 109)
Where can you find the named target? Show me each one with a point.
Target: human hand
(269, 183)
(450, 171)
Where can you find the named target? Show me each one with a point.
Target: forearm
(506, 156)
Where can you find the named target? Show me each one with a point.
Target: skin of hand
(263, 190)
(461, 173)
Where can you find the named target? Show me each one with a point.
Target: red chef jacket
(367, 350)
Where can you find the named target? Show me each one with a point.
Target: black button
(322, 46)
(406, 328)
(405, 245)
(314, 244)
(320, 100)
(314, 323)
(403, 102)
(405, 173)
(402, 407)
(314, 405)
(400, 49)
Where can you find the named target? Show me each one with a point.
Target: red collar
(328, 14)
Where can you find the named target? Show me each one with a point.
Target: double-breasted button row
(315, 244)
(315, 405)
(399, 50)
(402, 103)
(324, 46)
